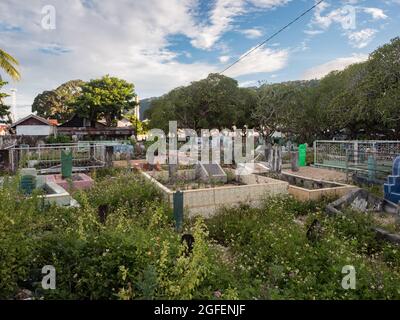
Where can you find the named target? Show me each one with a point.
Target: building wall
(34, 130)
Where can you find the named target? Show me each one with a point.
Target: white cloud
(250, 83)
(221, 19)
(263, 60)
(127, 40)
(339, 64)
(313, 32)
(360, 39)
(269, 3)
(376, 13)
(224, 59)
(223, 13)
(252, 33)
(345, 16)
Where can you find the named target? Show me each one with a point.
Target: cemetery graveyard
(307, 200)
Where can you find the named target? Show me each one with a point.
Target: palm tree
(9, 64)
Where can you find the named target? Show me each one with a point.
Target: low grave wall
(206, 202)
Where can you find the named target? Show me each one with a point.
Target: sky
(161, 44)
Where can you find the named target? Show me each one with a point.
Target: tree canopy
(214, 102)
(359, 102)
(55, 104)
(9, 64)
(4, 109)
(107, 98)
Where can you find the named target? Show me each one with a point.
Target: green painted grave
(302, 155)
(66, 164)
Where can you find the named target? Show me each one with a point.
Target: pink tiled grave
(78, 181)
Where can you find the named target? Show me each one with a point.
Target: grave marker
(392, 187)
(302, 155)
(66, 164)
(178, 210)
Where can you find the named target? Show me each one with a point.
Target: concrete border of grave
(58, 195)
(376, 205)
(313, 189)
(206, 202)
(54, 193)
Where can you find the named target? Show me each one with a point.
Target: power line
(273, 36)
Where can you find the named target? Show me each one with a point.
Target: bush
(134, 254)
(133, 251)
(277, 261)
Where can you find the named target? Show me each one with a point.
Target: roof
(79, 122)
(32, 116)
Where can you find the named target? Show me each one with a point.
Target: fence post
(178, 210)
(109, 156)
(315, 152)
(355, 153)
(347, 165)
(371, 169)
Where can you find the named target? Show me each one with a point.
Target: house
(124, 123)
(81, 127)
(80, 122)
(34, 125)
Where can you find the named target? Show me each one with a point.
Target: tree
(4, 109)
(107, 98)
(9, 64)
(139, 126)
(282, 107)
(215, 102)
(56, 103)
(360, 102)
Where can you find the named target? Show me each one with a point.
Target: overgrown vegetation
(275, 260)
(129, 249)
(134, 254)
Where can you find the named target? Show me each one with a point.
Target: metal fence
(47, 158)
(373, 159)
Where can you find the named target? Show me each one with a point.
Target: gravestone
(392, 187)
(109, 156)
(294, 159)
(66, 164)
(210, 172)
(178, 209)
(275, 159)
(28, 180)
(302, 155)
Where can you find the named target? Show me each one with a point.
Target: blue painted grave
(392, 187)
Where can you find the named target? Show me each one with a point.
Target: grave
(392, 187)
(305, 189)
(66, 179)
(382, 210)
(53, 193)
(205, 198)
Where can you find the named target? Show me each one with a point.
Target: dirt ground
(320, 174)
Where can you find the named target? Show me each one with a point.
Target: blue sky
(161, 44)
